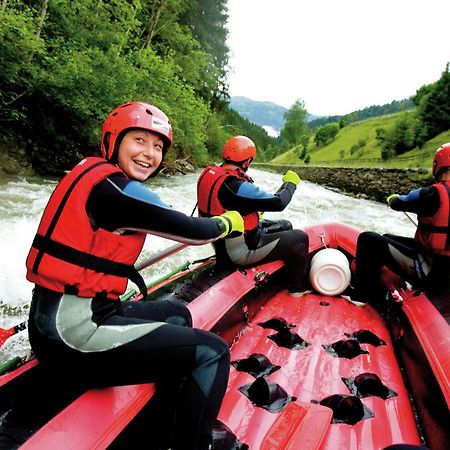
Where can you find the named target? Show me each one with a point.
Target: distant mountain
(265, 114)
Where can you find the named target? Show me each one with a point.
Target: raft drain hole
(266, 394)
(366, 337)
(277, 324)
(224, 438)
(368, 384)
(346, 408)
(256, 364)
(347, 348)
(289, 340)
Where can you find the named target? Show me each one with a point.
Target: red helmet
(238, 149)
(441, 159)
(133, 115)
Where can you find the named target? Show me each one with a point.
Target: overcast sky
(338, 56)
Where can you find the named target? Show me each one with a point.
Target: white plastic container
(330, 272)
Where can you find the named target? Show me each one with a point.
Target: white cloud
(338, 56)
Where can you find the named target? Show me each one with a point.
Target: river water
(23, 200)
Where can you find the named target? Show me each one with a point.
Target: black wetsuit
(403, 255)
(101, 342)
(270, 240)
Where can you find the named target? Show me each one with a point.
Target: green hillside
(356, 145)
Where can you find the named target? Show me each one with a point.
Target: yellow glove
(389, 199)
(291, 177)
(234, 223)
(260, 214)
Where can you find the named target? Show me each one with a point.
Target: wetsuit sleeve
(118, 204)
(423, 201)
(246, 197)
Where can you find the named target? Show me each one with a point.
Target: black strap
(88, 261)
(432, 228)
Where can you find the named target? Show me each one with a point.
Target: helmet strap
(246, 164)
(106, 139)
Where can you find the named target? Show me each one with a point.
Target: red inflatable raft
(315, 372)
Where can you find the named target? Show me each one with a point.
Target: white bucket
(330, 272)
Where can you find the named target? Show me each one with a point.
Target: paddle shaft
(160, 255)
(410, 218)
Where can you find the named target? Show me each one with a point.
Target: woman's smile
(140, 153)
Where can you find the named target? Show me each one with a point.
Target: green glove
(234, 223)
(291, 177)
(389, 199)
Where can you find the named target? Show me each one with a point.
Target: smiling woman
(91, 233)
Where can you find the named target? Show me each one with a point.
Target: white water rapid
(23, 200)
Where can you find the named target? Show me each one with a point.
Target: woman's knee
(180, 314)
(369, 239)
(369, 236)
(301, 240)
(213, 347)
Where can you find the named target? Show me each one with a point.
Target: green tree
(400, 138)
(66, 64)
(18, 42)
(207, 20)
(295, 125)
(434, 106)
(326, 133)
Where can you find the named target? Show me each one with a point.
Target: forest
(67, 63)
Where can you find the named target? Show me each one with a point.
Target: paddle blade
(5, 334)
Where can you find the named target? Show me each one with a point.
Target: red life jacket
(68, 255)
(208, 186)
(434, 232)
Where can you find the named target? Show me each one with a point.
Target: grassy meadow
(356, 146)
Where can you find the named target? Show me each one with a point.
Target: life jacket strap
(88, 261)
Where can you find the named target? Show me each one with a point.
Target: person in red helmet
(228, 187)
(81, 258)
(424, 261)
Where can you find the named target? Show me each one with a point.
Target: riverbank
(362, 182)
(368, 183)
(15, 160)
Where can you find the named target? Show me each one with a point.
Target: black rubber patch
(368, 384)
(346, 408)
(347, 348)
(256, 364)
(265, 394)
(366, 337)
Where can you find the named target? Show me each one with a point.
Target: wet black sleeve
(118, 204)
(245, 197)
(424, 201)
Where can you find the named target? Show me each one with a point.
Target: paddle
(133, 292)
(160, 255)
(7, 333)
(410, 218)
